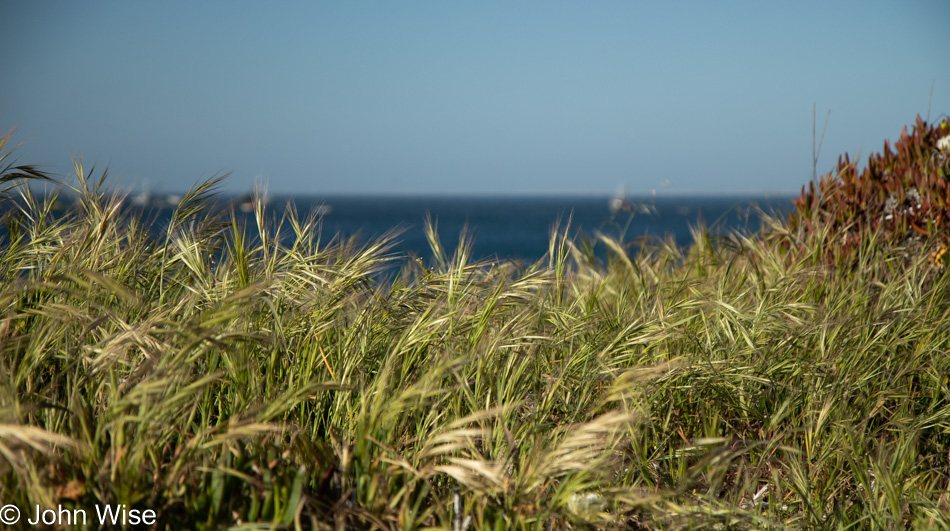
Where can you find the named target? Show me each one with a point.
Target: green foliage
(225, 373)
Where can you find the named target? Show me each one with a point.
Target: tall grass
(261, 375)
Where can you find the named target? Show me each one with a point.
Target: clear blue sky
(480, 98)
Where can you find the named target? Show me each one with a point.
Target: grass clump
(251, 374)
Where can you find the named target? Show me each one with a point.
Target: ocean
(519, 228)
(511, 228)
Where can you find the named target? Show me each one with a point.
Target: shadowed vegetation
(226, 372)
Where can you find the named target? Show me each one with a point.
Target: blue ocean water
(519, 228)
(515, 228)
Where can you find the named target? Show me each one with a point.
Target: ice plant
(903, 194)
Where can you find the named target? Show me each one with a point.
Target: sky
(479, 98)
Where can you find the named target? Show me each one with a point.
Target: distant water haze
(462, 98)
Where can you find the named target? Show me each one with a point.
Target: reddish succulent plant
(903, 192)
